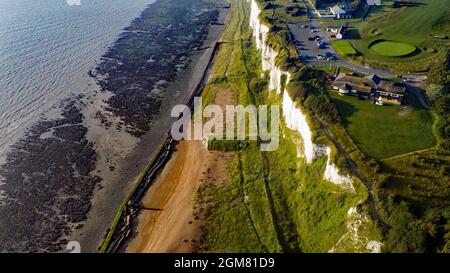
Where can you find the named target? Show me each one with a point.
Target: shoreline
(65, 180)
(133, 158)
(160, 225)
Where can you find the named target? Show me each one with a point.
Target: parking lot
(304, 35)
(305, 46)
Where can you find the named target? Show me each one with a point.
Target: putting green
(391, 48)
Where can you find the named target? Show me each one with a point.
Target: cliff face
(296, 120)
(268, 54)
(293, 116)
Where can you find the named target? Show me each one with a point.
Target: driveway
(301, 34)
(414, 82)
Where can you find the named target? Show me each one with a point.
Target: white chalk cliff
(296, 120)
(269, 55)
(332, 174)
(292, 113)
(355, 221)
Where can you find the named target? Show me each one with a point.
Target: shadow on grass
(345, 109)
(353, 33)
(400, 4)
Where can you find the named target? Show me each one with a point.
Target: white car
(320, 57)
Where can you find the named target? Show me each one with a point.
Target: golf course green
(391, 48)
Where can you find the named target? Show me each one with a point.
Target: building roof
(368, 83)
(391, 87)
(354, 80)
(337, 10)
(341, 85)
(374, 78)
(362, 88)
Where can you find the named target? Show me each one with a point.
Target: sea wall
(294, 117)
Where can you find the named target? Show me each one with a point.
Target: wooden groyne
(122, 227)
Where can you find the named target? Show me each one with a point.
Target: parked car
(304, 56)
(311, 39)
(320, 57)
(330, 56)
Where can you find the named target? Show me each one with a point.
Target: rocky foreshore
(47, 183)
(149, 54)
(51, 178)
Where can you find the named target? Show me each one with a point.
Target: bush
(434, 92)
(323, 107)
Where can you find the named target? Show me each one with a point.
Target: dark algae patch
(48, 178)
(48, 186)
(150, 53)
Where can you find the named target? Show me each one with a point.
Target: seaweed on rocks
(48, 178)
(154, 48)
(47, 184)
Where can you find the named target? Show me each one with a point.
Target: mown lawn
(391, 48)
(412, 25)
(385, 131)
(344, 48)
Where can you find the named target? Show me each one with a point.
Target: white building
(374, 2)
(338, 12)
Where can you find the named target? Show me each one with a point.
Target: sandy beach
(121, 157)
(170, 219)
(167, 222)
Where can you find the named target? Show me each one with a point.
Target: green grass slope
(385, 131)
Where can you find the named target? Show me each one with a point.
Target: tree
(435, 92)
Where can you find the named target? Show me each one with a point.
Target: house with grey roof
(369, 87)
(338, 12)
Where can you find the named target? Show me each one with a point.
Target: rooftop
(337, 10)
(355, 80)
(368, 83)
(392, 87)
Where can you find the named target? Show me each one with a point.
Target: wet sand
(121, 157)
(169, 220)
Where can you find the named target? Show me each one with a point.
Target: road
(310, 48)
(414, 82)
